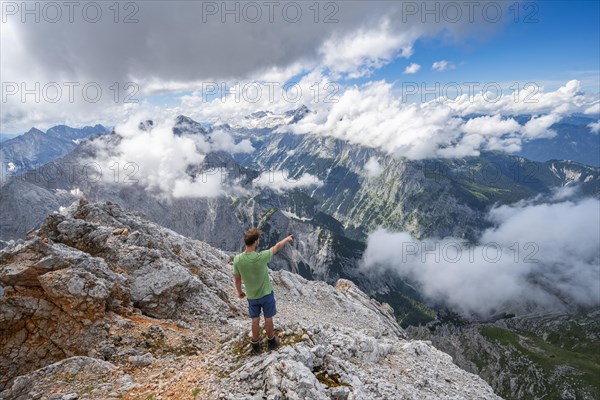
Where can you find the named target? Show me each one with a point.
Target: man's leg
(274, 341)
(256, 327)
(269, 328)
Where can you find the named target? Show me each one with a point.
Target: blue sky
(547, 43)
(564, 44)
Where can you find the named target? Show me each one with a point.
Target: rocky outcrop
(54, 300)
(74, 366)
(109, 305)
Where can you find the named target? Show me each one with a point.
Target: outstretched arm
(282, 243)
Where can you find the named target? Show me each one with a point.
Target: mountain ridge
(35, 148)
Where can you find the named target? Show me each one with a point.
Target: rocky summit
(98, 303)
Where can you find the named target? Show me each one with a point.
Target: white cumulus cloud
(374, 115)
(441, 65)
(280, 181)
(373, 168)
(537, 255)
(412, 68)
(160, 161)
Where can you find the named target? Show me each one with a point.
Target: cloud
(594, 127)
(442, 65)
(537, 126)
(162, 162)
(593, 109)
(491, 125)
(412, 68)
(530, 99)
(280, 181)
(223, 141)
(374, 115)
(206, 185)
(233, 104)
(564, 192)
(536, 255)
(169, 47)
(361, 52)
(373, 168)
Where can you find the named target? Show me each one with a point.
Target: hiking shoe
(274, 343)
(256, 347)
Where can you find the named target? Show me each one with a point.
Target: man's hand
(237, 281)
(282, 243)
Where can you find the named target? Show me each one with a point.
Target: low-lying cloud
(373, 168)
(374, 115)
(164, 163)
(280, 181)
(537, 255)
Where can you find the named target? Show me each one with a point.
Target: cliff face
(110, 305)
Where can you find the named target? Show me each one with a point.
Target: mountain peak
(34, 131)
(267, 119)
(187, 125)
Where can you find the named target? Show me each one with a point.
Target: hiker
(251, 267)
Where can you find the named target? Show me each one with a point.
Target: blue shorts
(266, 303)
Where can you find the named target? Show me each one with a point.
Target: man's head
(251, 236)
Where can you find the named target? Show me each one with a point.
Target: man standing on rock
(251, 267)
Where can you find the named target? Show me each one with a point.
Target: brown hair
(251, 236)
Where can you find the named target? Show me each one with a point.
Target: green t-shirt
(255, 274)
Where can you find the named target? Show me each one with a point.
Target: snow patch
(294, 216)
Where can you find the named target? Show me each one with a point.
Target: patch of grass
(408, 311)
(267, 214)
(547, 355)
(222, 374)
(290, 340)
(150, 396)
(573, 337)
(240, 349)
(196, 392)
(330, 380)
(483, 193)
(158, 347)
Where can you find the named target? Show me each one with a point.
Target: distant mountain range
(5, 136)
(331, 220)
(428, 198)
(36, 148)
(574, 141)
